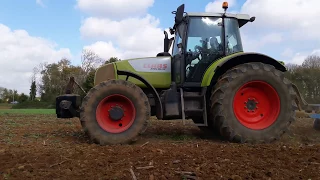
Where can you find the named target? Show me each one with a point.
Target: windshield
(202, 31)
(233, 38)
(205, 33)
(205, 40)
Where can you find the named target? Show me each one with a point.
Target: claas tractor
(207, 77)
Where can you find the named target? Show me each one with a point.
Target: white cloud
(114, 8)
(104, 49)
(135, 37)
(299, 57)
(253, 44)
(296, 20)
(20, 53)
(295, 16)
(121, 27)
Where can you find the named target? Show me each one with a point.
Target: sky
(37, 31)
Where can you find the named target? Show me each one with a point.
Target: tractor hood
(149, 64)
(151, 68)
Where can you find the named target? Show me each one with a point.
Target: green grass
(27, 111)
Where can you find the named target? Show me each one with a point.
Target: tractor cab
(200, 39)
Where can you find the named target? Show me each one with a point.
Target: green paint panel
(206, 80)
(157, 79)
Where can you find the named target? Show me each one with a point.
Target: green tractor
(241, 96)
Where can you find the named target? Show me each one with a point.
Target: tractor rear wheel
(252, 103)
(115, 112)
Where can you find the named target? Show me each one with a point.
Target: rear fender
(219, 67)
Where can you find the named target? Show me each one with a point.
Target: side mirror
(179, 14)
(165, 42)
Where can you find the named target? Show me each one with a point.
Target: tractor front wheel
(252, 102)
(115, 112)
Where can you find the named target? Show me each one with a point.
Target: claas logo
(156, 66)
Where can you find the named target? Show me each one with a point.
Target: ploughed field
(35, 146)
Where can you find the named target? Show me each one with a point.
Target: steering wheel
(204, 52)
(198, 49)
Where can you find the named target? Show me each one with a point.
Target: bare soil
(43, 147)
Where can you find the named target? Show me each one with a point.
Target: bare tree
(306, 77)
(34, 74)
(39, 70)
(312, 61)
(90, 60)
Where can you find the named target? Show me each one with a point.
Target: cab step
(200, 112)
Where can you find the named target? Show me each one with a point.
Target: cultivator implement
(310, 110)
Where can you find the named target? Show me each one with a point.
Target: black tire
(223, 94)
(97, 94)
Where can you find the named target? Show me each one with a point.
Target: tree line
(50, 80)
(307, 78)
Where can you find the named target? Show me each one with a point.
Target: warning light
(225, 5)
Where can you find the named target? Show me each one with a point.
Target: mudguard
(220, 66)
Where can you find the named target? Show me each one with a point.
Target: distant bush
(5, 106)
(34, 105)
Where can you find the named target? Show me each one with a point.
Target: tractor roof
(242, 18)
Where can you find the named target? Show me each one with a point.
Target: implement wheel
(115, 112)
(252, 102)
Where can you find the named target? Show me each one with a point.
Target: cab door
(204, 40)
(178, 56)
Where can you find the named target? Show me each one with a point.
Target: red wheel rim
(256, 105)
(106, 106)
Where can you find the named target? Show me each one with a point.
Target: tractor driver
(213, 52)
(216, 47)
